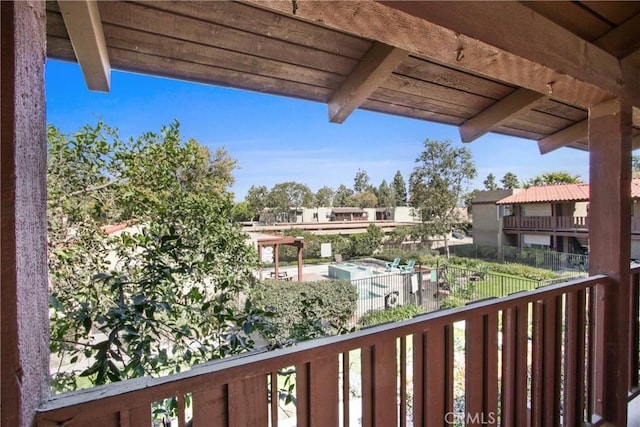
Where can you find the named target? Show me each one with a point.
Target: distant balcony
(531, 358)
(546, 223)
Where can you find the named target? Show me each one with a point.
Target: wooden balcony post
(610, 194)
(24, 336)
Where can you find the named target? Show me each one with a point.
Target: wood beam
(563, 137)
(556, 50)
(577, 132)
(500, 112)
(372, 70)
(559, 63)
(82, 19)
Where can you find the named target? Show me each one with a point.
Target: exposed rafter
(374, 67)
(537, 63)
(576, 72)
(82, 20)
(500, 112)
(563, 137)
(623, 40)
(576, 132)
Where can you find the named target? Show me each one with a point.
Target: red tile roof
(549, 193)
(559, 193)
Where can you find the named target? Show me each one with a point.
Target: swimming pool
(349, 271)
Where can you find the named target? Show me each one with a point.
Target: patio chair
(392, 265)
(408, 267)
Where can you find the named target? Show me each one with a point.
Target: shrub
(304, 311)
(395, 314)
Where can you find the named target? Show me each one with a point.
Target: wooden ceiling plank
(127, 60)
(395, 97)
(623, 39)
(373, 69)
(577, 72)
(142, 42)
(499, 113)
(82, 19)
(565, 136)
(449, 95)
(156, 22)
(242, 16)
(400, 110)
(418, 68)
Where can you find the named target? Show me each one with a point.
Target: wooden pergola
(276, 242)
(559, 73)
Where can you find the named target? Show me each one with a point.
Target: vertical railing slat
(552, 360)
(419, 395)
(634, 335)
(317, 400)
(275, 398)
(537, 368)
(140, 416)
(210, 406)
(346, 389)
(481, 370)
(379, 371)
(514, 366)
(253, 390)
(574, 388)
(302, 395)
(402, 360)
(438, 375)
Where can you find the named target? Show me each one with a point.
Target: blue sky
(277, 139)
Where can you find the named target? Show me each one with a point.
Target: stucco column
(609, 242)
(24, 334)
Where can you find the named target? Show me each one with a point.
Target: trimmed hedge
(395, 314)
(306, 310)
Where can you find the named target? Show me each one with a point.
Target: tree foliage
(437, 185)
(324, 197)
(490, 183)
(510, 181)
(165, 293)
(553, 178)
(361, 182)
(386, 196)
(286, 197)
(256, 198)
(365, 199)
(341, 198)
(400, 189)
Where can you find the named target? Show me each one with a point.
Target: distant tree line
(284, 198)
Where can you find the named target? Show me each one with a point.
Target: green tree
(324, 197)
(286, 197)
(342, 196)
(257, 199)
(437, 185)
(552, 178)
(386, 197)
(365, 244)
(365, 199)
(510, 181)
(490, 183)
(400, 189)
(161, 297)
(361, 182)
(242, 212)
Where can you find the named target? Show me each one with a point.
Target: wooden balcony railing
(526, 359)
(546, 222)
